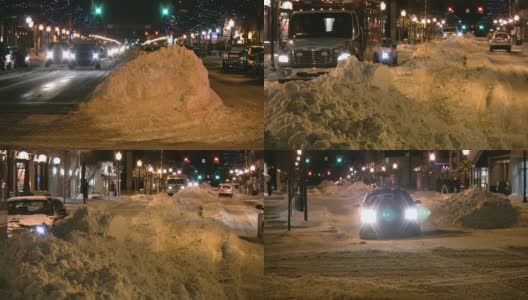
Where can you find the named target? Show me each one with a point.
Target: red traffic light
(157, 32)
(146, 33)
(328, 173)
(450, 9)
(216, 160)
(480, 9)
(309, 173)
(185, 159)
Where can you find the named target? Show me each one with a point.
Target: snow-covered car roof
(41, 198)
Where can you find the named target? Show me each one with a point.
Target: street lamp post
(139, 165)
(231, 25)
(403, 15)
(118, 157)
(383, 6)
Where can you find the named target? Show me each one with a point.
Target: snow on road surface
(448, 94)
(325, 259)
(161, 97)
(137, 247)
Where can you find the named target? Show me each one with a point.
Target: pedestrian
(270, 188)
(84, 190)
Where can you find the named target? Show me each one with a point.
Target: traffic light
(186, 160)
(98, 10)
(480, 10)
(309, 173)
(481, 27)
(217, 177)
(328, 173)
(200, 177)
(146, 33)
(165, 11)
(464, 27)
(307, 160)
(339, 160)
(216, 160)
(450, 9)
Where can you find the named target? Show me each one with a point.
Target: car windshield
(501, 36)
(392, 199)
(226, 187)
(29, 207)
(86, 47)
(321, 25)
(58, 46)
(176, 181)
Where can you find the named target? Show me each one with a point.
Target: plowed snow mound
(448, 95)
(153, 255)
(357, 190)
(474, 208)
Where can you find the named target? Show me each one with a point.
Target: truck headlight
(284, 58)
(411, 214)
(72, 56)
(95, 56)
(26, 59)
(66, 54)
(343, 56)
(385, 55)
(368, 216)
(41, 229)
(170, 187)
(49, 55)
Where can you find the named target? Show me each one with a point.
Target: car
(57, 53)
(234, 58)
(259, 65)
(225, 190)
(86, 54)
(386, 53)
(252, 54)
(500, 40)
(7, 58)
(450, 30)
(35, 214)
(389, 212)
(176, 184)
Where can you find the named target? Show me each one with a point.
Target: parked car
(7, 58)
(86, 54)
(389, 213)
(234, 59)
(225, 190)
(58, 53)
(251, 56)
(500, 40)
(386, 53)
(35, 214)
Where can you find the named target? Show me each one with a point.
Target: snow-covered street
(325, 259)
(192, 245)
(450, 93)
(166, 98)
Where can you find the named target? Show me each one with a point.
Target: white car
(225, 190)
(500, 40)
(36, 214)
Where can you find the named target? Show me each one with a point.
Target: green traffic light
(217, 177)
(165, 11)
(98, 10)
(307, 160)
(481, 27)
(464, 27)
(199, 177)
(339, 160)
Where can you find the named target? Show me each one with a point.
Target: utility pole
(525, 200)
(273, 33)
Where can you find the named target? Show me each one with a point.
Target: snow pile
(474, 208)
(448, 95)
(163, 252)
(164, 94)
(356, 190)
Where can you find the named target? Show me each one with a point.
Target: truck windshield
(175, 181)
(29, 207)
(321, 25)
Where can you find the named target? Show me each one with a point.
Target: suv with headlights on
(500, 40)
(389, 213)
(58, 53)
(234, 58)
(386, 53)
(86, 54)
(318, 41)
(35, 214)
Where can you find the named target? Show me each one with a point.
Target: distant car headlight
(49, 55)
(411, 214)
(284, 58)
(41, 229)
(343, 56)
(26, 59)
(368, 216)
(385, 55)
(72, 56)
(170, 187)
(95, 55)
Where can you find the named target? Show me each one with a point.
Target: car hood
(316, 43)
(29, 220)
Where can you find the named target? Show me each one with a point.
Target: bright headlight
(384, 55)
(66, 54)
(49, 55)
(95, 55)
(343, 56)
(27, 59)
(411, 214)
(41, 229)
(170, 187)
(183, 188)
(368, 216)
(72, 56)
(284, 59)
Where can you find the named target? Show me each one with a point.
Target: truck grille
(314, 58)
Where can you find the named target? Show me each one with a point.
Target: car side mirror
(259, 206)
(417, 202)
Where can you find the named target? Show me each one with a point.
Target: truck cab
(176, 184)
(318, 41)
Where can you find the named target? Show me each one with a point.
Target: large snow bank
(474, 208)
(449, 94)
(160, 253)
(165, 94)
(356, 190)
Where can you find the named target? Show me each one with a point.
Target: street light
(139, 164)
(118, 157)
(383, 6)
(299, 152)
(516, 18)
(56, 160)
(403, 13)
(29, 20)
(432, 157)
(394, 166)
(466, 152)
(252, 168)
(231, 24)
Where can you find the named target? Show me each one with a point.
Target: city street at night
(472, 245)
(171, 75)
(164, 225)
(455, 78)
